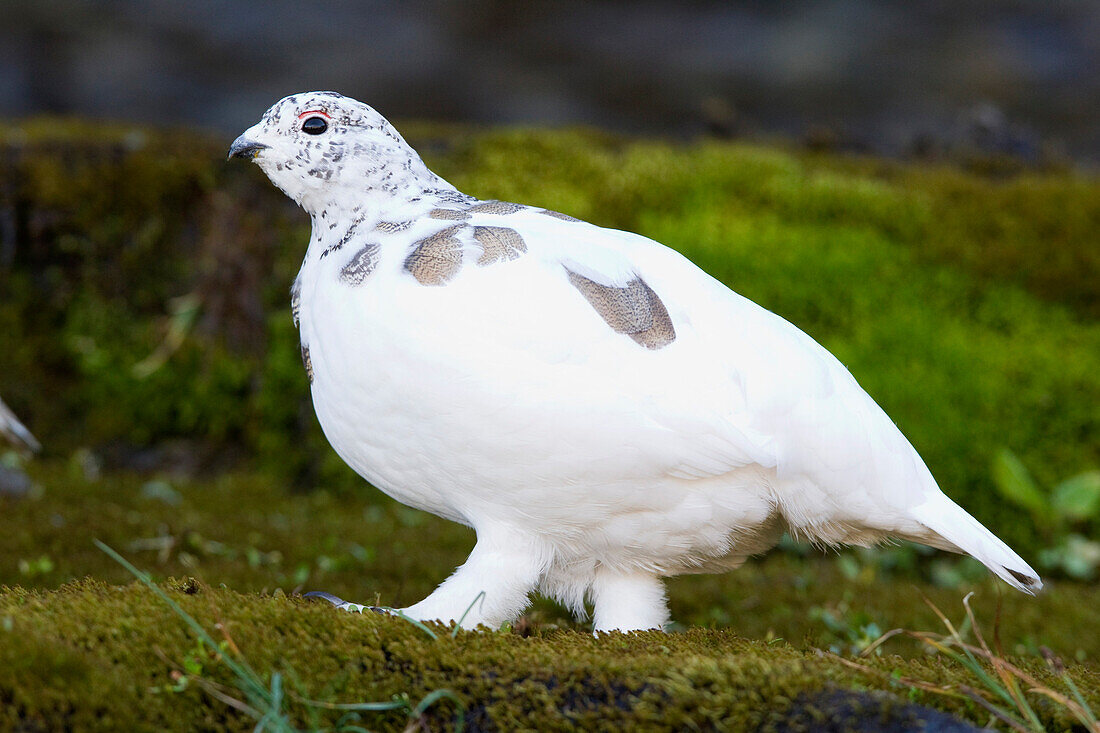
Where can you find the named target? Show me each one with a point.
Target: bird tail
(960, 532)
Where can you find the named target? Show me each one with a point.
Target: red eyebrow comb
(315, 112)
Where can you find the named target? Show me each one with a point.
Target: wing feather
(762, 391)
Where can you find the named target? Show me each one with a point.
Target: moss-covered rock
(89, 655)
(93, 656)
(253, 532)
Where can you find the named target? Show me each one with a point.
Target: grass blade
(993, 710)
(240, 669)
(435, 696)
(401, 614)
(479, 597)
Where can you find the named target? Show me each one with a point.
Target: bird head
(329, 152)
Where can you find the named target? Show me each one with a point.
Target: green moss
(87, 642)
(105, 655)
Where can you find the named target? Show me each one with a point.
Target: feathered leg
(490, 588)
(628, 601)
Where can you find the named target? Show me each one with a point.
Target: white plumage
(601, 411)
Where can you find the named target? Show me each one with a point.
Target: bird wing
(741, 385)
(614, 323)
(844, 472)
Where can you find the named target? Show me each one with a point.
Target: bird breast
(503, 393)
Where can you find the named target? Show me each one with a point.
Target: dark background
(1018, 77)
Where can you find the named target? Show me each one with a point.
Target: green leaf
(1078, 497)
(1014, 482)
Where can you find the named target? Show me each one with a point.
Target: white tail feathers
(962, 533)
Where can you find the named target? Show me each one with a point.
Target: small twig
(1000, 663)
(212, 690)
(880, 641)
(353, 706)
(993, 709)
(997, 625)
(1008, 674)
(220, 625)
(994, 661)
(919, 684)
(1085, 715)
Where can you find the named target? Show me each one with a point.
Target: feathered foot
(341, 604)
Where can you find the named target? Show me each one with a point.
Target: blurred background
(911, 183)
(902, 78)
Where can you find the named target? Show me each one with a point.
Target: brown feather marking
(494, 207)
(558, 215)
(360, 266)
(296, 300)
(307, 363)
(436, 259)
(452, 214)
(634, 310)
(498, 244)
(393, 226)
(661, 332)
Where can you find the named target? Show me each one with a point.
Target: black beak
(245, 149)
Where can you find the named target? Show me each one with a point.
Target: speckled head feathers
(324, 149)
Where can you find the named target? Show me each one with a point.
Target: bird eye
(314, 126)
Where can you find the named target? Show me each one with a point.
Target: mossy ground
(179, 432)
(100, 652)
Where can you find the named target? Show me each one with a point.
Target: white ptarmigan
(597, 408)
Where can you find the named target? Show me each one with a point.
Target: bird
(598, 409)
(15, 432)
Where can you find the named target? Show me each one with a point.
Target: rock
(13, 482)
(845, 711)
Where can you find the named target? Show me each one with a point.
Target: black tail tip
(1025, 580)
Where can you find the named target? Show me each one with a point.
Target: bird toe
(339, 602)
